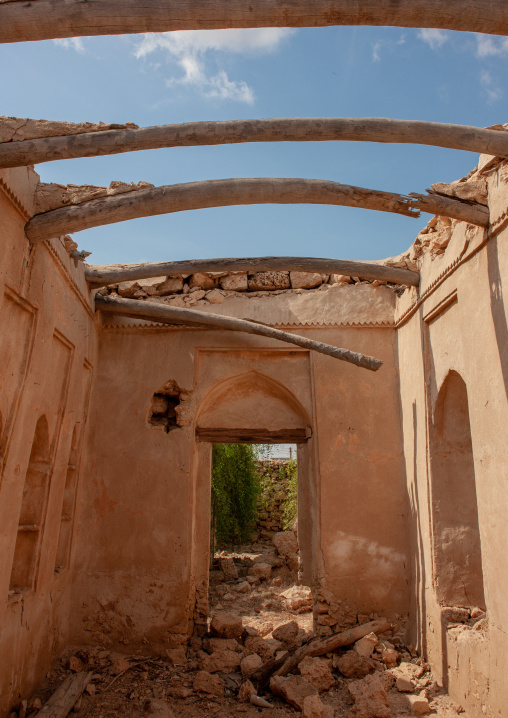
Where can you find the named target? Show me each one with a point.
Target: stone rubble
(215, 674)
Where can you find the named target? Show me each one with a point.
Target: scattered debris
(259, 641)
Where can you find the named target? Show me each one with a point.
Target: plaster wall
(47, 358)
(460, 326)
(118, 553)
(142, 560)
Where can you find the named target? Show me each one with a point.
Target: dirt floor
(250, 586)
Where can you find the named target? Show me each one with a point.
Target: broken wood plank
(64, 698)
(315, 647)
(168, 315)
(299, 129)
(243, 191)
(331, 643)
(46, 19)
(449, 207)
(99, 276)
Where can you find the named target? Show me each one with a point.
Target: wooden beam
(99, 276)
(307, 129)
(168, 315)
(227, 192)
(63, 699)
(253, 436)
(315, 647)
(46, 19)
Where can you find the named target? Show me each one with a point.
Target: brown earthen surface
(105, 485)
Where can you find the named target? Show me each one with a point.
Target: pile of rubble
(259, 654)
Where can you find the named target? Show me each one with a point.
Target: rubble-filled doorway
(256, 602)
(254, 557)
(252, 408)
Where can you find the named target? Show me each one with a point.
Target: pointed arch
(252, 407)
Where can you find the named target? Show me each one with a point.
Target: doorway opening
(254, 552)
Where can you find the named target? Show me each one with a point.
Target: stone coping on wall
(354, 305)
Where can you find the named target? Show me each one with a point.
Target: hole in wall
(164, 405)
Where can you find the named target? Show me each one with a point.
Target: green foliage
(235, 488)
(291, 503)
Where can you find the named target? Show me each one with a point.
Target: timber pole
(47, 19)
(171, 315)
(98, 276)
(299, 129)
(244, 191)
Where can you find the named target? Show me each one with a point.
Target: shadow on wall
(497, 307)
(419, 576)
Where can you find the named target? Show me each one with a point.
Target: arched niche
(457, 548)
(252, 407)
(33, 506)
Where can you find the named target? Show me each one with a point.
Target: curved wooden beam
(47, 19)
(227, 192)
(170, 315)
(299, 129)
(112, 274)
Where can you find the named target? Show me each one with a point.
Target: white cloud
(389, 44)
(493, 92)
(434, 38)
(71, 43)
(487, 45)
(192, 49)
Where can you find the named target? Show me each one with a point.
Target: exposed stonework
(16, 129)
(52, 196)
(273, 475)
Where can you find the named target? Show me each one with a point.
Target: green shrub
(290, 511)
(235, 488)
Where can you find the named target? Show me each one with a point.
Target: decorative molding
(67, 276)
(156, 327)
(499, 223)
(441, 306)
(462, 257)
(14, 200)
(11, 414)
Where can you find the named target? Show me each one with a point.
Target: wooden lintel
(253, 436)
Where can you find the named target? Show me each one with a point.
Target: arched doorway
(251, 408)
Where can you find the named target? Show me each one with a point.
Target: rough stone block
(234, 282)
(208, 683)
(293, 689)
(316, 671)
(305, 280)
(226, 625)
(268, 281)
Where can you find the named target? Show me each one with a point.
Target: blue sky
(213, 75)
